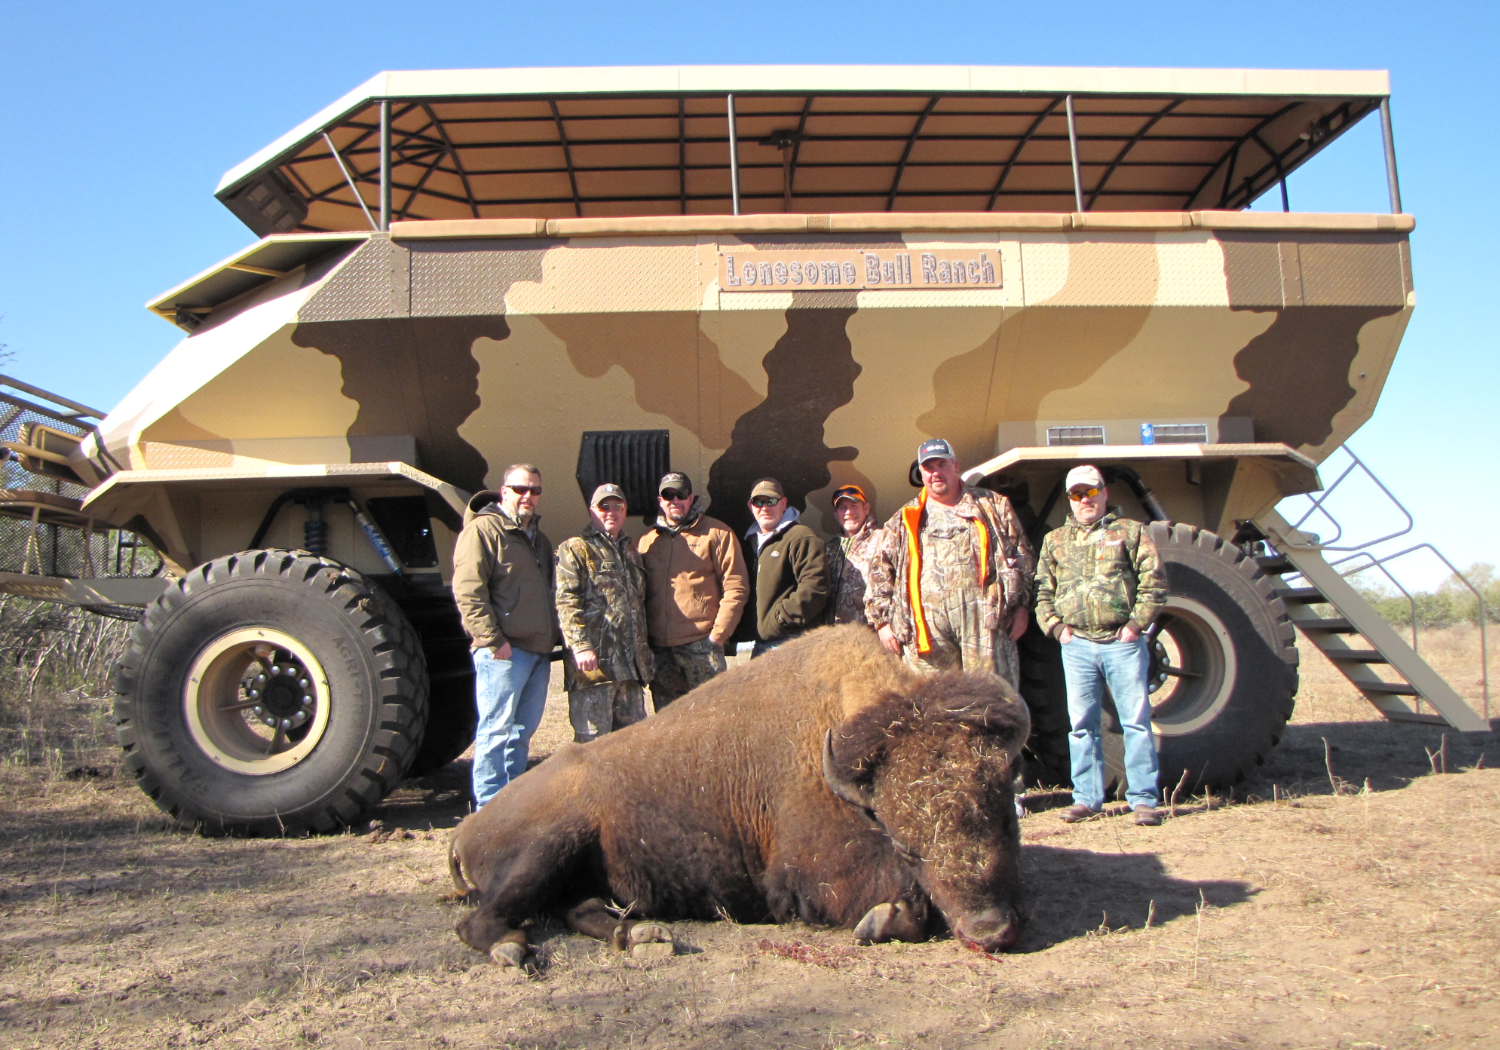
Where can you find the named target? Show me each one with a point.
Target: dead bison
(824, 782)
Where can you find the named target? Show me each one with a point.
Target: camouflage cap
(674, 480)
(1084, 475)
(604, 492)
(767, 487)
(935, 448)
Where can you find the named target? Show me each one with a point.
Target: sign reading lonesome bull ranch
(834, 270)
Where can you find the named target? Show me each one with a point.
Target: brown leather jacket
(696, 584)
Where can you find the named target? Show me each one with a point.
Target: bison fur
(825, 781)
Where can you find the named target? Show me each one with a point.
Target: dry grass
(1361, 908)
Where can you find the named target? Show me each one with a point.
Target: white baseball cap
(1084, 475)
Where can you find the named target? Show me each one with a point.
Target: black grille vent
(635, 460)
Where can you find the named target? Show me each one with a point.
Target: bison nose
(991, 930)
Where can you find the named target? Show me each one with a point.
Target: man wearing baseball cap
(696, 589)
(849, 554)
(1099, 586)
(601, 606)
(951, 580)
(789, 577)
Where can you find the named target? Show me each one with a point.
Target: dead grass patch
(1345, 897)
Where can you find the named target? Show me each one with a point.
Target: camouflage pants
(960, 642)
(684, 667)
(598, 709)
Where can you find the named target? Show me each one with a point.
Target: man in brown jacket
(789, 581)
(503, 583)
(696, 588)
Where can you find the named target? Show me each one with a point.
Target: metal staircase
(1359, 641)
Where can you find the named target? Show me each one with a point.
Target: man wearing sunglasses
(789, 586)
(951, 579)
(601, 606)
(1099, 586)
(696, 589)
(503, 583)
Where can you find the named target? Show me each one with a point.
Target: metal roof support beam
(385, 164)
(1073, 149)
(682, 154)
(350, 180)
(797, 146)
(562, 136)
(734, 159)
(890, 200)
(1016, 153)
(458, 166)
(1389, 137)
(1120, 157)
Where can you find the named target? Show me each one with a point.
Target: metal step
(1355, 656)
(1302, 554)
(1274, 564)
(1300, 595)
(1335, 625)
(1388, 688)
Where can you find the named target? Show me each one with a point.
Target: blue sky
(119, 119)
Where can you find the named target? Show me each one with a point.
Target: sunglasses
(675, 495)
(1088, 493)
(611, 507)
(765, 501)
(526, 490)
(850, 492)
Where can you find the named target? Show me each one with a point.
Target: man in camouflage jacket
(601, 607)
(951, 579)
(1099, 587)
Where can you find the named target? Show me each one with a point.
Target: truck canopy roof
(655, 141)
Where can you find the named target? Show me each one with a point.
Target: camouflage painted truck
(797, 271)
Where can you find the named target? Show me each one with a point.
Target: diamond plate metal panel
(374, 282)
(466, 280)
(1346, 274)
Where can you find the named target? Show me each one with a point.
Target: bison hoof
(650, 932)
(510, 954)
(652, 950)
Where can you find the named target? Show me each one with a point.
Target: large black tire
(1233, 638)
(270, 692)
(1046, 695)
(452, 714)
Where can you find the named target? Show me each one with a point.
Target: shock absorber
(315, 529)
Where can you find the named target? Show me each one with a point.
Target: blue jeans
(1089, 667)
(511, 695)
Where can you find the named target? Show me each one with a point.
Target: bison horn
(850, 792)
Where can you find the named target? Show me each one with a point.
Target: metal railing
(1382, 563)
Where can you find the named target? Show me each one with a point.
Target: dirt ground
(1347, 897)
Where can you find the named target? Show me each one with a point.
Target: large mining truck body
(612, 274)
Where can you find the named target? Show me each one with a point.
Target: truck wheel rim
(1193, 667)
(256, 701)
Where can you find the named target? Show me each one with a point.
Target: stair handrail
(1317, 505)
(1375, 563)
(1362, 549)
(1484, 615)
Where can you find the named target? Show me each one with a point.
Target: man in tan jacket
(503, 583)
(696, 588)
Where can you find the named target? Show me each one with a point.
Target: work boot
(1147, 817)
(1078, 812)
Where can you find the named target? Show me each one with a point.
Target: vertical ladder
(1299, 552)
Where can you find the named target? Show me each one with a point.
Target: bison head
(934, 767)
